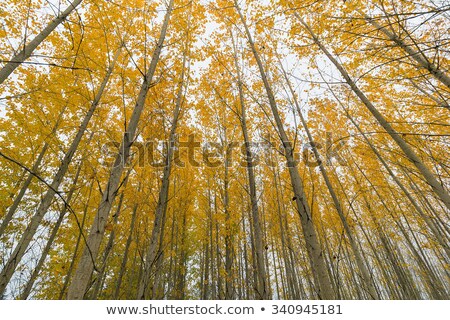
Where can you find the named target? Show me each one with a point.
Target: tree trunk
(127, 249)
(100, 276)
(68, 276)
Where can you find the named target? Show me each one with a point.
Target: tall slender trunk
(62, 292)
(207, 282)
(127, 249)
(218, 256)
(254, 276)
(275, 269)
(229, 250)
(172, 262)
(266, 249)
(211, 224)
(180, 282)
(248, 274)
(204, 283)
(109, 246)
(157, 291)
